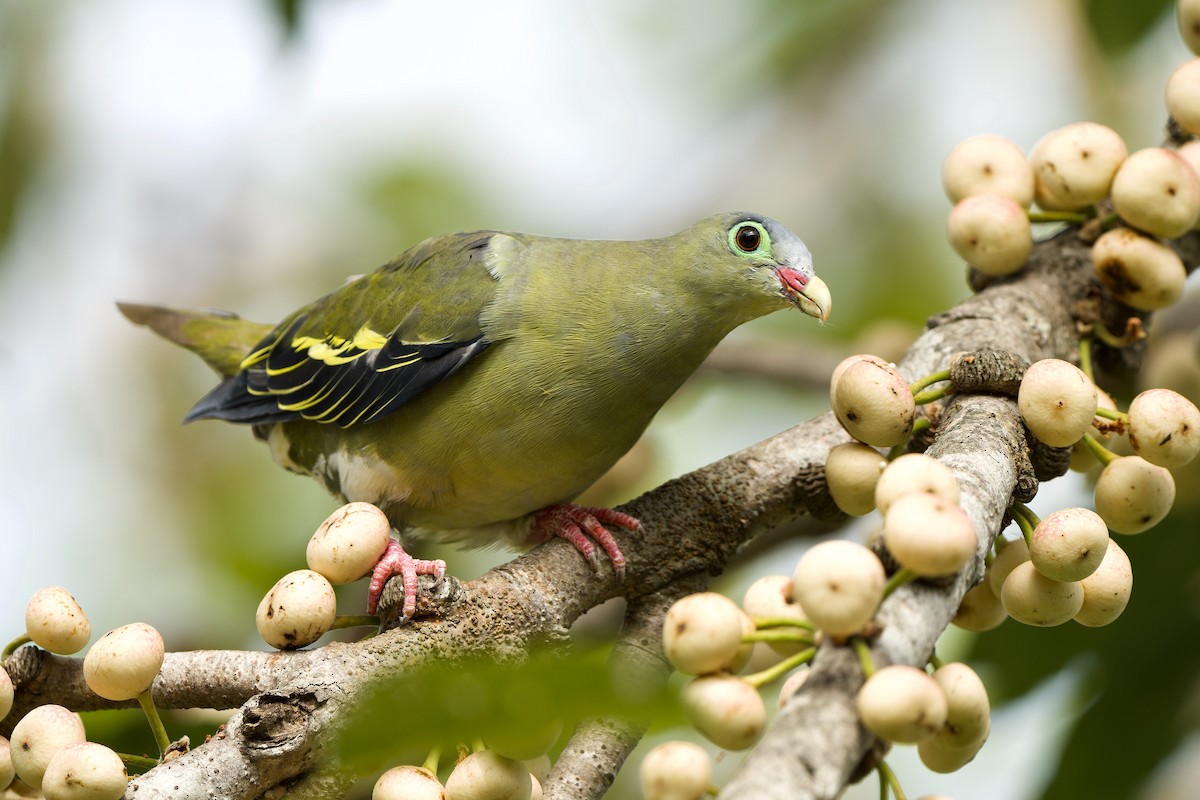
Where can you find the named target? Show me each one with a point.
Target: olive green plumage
(483, 376)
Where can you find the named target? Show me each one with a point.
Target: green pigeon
(477, 384)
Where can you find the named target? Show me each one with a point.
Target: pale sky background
(179, 119)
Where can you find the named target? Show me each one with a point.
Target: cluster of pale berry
(301, 607)
(1062, 567)
(709, 636)
(512, 765)
(49, 750)
(834, 593)
(1154, 192)
(1066, 566)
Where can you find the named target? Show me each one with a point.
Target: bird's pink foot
(395, 561)
(580, 525)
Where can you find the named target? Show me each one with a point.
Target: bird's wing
(371, 346)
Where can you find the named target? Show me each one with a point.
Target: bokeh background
(250, 155)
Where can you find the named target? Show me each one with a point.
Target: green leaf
(515, 709)
(1118, 25)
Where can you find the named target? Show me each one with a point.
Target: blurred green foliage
(806, 38)
(517, 708)
(1120, 25)
(23, 126)
(288, 12)
(416, 201)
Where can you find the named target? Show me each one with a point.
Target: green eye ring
(749, 238)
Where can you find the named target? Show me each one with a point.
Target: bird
(473, 387)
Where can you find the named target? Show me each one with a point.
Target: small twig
(863, 651)
(776, 671)
(431, 760)
(1134, 332)
(780, 637)
(1085, 357)
(1070, 217)
(14, 644)
(139, 763)
(888, 778)
(762, 623)
(146, 701)
(936, 377)
(930, 395)
(898, 579)
(1113, 414)
(1102, 453)
(1026, 520)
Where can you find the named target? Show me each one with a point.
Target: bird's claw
(584, 528)
(395, 561)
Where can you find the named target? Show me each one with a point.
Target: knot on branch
(988, 372)
(278, 723)
(433, 599)
(25, 667)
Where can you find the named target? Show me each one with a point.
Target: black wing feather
(367, 349)
(357, 392)
(231, 401)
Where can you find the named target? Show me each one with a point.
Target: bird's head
(750, 265)
(769, 261)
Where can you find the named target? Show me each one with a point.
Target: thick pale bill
(811, 294)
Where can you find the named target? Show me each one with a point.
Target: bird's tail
(222, 339)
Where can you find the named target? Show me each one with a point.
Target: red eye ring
(747, 238)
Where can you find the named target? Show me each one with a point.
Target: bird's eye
(747, 238)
